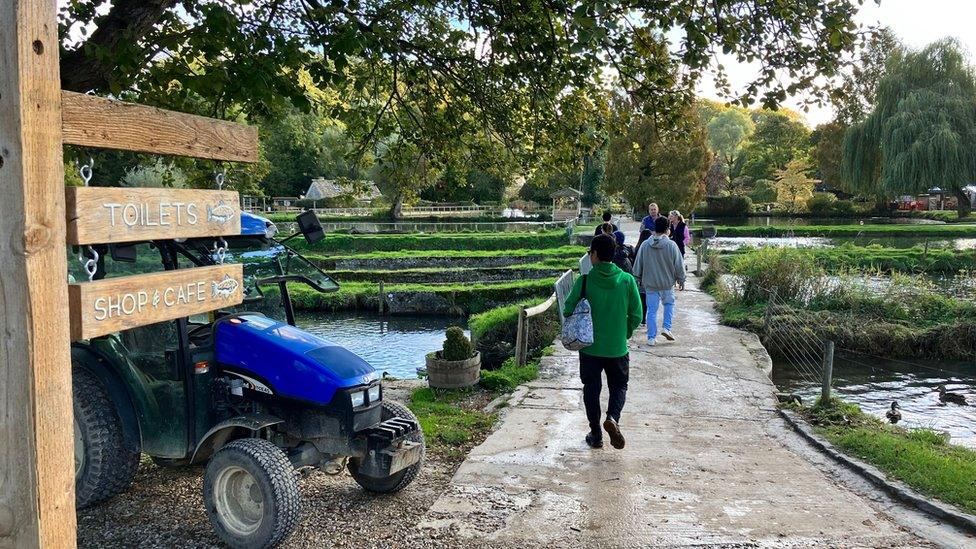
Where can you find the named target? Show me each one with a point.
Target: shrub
(728, 206)
(843, 207)
(791, 273)
(457, 346)
(821, 204)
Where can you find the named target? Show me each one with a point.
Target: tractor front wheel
(251, 494)
(401, 479)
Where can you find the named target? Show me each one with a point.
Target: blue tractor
(242, 390)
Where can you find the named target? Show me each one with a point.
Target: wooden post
(382, 298)
(828, 372)
(768, 314)
(37, 485)
(520, 336)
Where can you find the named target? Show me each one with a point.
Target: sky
(915, 22)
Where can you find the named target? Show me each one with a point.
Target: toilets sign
(104, 215)
(114, 304)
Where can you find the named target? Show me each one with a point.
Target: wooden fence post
(828, 372)
(37, 496)
(520, 338)
(382, 298)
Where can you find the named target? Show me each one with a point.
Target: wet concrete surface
(706, 462)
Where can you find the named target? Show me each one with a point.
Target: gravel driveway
(164, 508)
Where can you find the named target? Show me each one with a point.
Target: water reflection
(874, 384)
(395, 344)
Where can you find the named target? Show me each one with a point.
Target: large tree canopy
(646, 164)
(922, 132)
(780, 137)
(509, 60)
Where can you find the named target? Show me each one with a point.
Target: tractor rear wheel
(103, 465)
(401, 479)
(251, 494)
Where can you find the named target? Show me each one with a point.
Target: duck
(946, 396)
(894, 414)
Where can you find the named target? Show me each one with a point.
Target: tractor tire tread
(281, 475)
(110, 465)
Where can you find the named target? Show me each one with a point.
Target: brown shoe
(612, 429)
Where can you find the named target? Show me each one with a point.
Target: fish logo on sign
(225, 288)
(221, 213)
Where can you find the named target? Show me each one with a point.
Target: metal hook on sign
(85, 170)
(90, 264)
(220, 250)
(220, 177)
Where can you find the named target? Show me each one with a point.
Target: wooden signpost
(37, 119)
(104, 215)
(115, 304)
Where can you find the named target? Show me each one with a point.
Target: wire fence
(796, 342)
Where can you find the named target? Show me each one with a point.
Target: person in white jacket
(658, 269)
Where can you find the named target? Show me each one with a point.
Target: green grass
(921, 458)
(453, 420)
(510, 376)
(549, 252)
(481, 323)
(469, 297)
(349, 243)
(836, 231)
(448, 426)
(553, 267)
(882, 258)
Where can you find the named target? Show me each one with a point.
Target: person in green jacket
(615, 307)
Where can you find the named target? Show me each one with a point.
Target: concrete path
(705, 462)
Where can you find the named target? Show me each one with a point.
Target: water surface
(394, 344)
(873, 384)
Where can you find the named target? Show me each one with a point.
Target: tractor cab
(241, 389)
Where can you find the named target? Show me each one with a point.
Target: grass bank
(882, 258)
(562, 251)
(906, 318)
(454, 421)
(467, 298)
(348, 244)
(840, 231)
(921, 458)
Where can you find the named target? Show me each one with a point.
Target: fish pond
(874, 383)
(393, 344)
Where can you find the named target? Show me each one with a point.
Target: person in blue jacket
(653, 212)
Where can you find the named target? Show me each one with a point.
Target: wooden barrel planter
(453, 374)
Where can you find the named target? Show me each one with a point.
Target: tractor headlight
(358, 398)
(374, 393)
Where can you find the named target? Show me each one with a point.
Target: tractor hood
(276, 358)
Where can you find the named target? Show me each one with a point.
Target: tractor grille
(391, 429)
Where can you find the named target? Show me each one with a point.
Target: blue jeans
(654, 299)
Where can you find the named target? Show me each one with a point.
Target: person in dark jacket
(607, 218)
(679, 230)
(645, 235)
(622, 255)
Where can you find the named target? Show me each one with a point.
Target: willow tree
(922, 132)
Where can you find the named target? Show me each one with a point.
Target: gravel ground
(164, 508)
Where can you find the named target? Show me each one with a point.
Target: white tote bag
(578, 327)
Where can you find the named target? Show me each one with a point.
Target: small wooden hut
(566, 204)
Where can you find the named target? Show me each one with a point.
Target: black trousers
(591, 374)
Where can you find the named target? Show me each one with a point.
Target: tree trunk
(396, 210)
(963, 205)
